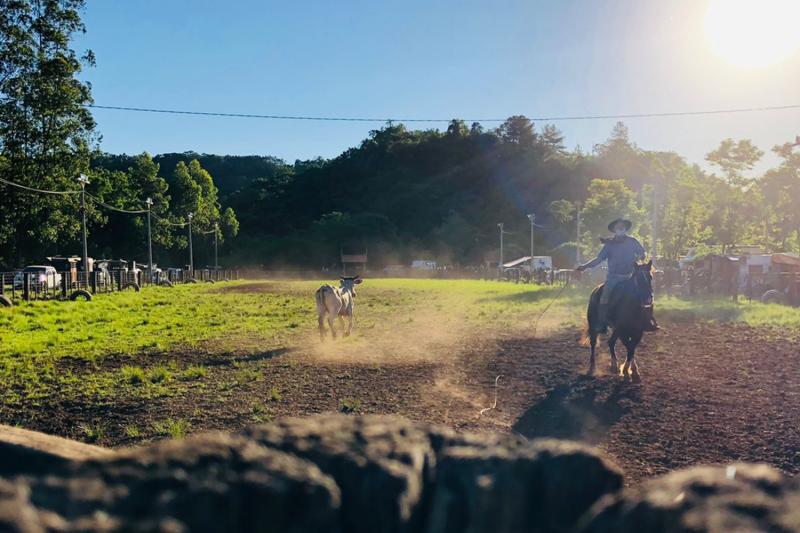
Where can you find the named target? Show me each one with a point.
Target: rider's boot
(602, 319)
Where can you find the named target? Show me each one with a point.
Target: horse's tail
(594, 300)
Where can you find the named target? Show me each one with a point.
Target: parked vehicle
(42, 277)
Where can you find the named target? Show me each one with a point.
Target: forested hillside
(403, 194)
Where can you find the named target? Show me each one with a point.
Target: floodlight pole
(654, 247)
(149, 203)
(578, 233)
(500, 264)
(216, 257)
(532, 218)
(83, 180)
(191, 258)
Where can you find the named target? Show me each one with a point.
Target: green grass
(176, 429)
(725, 310)
(39, 340)
(350, 405)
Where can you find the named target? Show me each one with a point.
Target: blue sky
(439, 59)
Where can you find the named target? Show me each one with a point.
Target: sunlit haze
(754, 33)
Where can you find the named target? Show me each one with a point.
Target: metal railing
(31, 286)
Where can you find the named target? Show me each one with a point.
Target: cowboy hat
(628, 224)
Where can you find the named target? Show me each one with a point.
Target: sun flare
(753, 33)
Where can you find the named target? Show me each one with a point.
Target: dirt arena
(710, 392)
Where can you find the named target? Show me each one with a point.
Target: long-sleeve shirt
(621, 254)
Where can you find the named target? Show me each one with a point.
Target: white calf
(336, 302)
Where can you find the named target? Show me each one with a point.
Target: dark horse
(627, 316)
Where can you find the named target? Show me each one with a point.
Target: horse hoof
(636, 378)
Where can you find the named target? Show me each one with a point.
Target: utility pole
(83, 180)
(654, 247)
(191, 258)
(500, 264)
(578, 233)
(532, 218)
(149, 203)
(216, 232)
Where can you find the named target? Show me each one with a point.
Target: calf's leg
(321, 325)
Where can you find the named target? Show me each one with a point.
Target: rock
(27, 452)
(542, 486)
(16, 512)
(396, 475)
(380, 463)
(213, 482)
(377, 473)
(739, 497)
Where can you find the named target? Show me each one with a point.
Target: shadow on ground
(583, 409)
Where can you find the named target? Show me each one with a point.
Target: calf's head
(348, 283)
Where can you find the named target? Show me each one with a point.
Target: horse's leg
(612, 348)
(626, 340)
(593, 345)
(634, 342)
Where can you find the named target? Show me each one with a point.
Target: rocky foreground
(369, 474)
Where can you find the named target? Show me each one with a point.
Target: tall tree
(517, 130)
(607, 200)
(45, 128)
(735, 158)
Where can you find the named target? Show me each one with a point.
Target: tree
(735, 158)
(607, 200)
(457, 128)
(517, 130)
(45, 128)
(194, 192)
(553, 140)
(685, 213)
(781, 189)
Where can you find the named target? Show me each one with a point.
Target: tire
(209, 281)
(191, 280)
(166, 283)
(773, 297)
(75, 296)
(133, 285)
(5, 301)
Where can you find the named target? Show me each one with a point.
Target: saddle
(616, 297)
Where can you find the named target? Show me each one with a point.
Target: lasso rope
(494, 406)
(557, 296)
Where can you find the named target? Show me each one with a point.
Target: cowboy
(622, 252)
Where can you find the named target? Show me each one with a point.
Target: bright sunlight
(753, 33)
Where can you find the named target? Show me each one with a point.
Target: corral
(132, 367)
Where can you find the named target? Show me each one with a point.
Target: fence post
(64, 283)
(26, 286)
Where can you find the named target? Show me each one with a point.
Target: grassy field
(159, 342)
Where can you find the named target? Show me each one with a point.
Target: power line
(32, 189)
(130, 212)
(113, 208)
(366, 119)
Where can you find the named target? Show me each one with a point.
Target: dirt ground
(710, 393)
